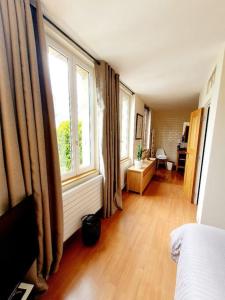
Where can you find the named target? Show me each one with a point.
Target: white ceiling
(163, 50)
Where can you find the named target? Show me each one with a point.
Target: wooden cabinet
(181, 159)
(138, 179)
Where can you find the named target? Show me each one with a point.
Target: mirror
(185, 132)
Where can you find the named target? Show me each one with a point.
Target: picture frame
(139, 126)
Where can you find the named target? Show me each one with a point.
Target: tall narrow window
(83, 106)
(146, 136)
(59, 74)
(125, 99)
(72, 88)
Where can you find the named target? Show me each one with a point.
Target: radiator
(83, 199)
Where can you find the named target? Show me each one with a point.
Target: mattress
(199, 251)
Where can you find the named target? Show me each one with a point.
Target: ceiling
(163, 50)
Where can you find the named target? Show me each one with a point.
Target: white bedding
(199, 251)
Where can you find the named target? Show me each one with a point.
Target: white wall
(168, 126)
(211, 208)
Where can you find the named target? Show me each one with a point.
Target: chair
(161, 157)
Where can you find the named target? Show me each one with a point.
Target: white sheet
(199, 251)
(160, 154)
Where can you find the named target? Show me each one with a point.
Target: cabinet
(138, 179)
(181, 159)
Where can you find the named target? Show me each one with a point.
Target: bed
(199, 251)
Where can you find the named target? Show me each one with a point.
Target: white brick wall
(168, 127)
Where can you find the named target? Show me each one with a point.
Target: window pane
(59, 74)
(146, 129)
(83, 105)
(124, 133)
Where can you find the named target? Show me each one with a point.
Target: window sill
(125, 160)
(68, 183)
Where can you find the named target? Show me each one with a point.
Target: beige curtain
(109, 117)
(29, 161)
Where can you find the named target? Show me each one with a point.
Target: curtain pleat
(28, 154)
(4, 203)
(108, 106)
(13, 167)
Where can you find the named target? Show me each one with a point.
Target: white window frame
(146, 131)
(86, 67)
(124, 90)
(145, 127)
(76, 59)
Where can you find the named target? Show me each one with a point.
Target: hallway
(132, 258)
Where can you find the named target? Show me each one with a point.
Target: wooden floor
(132, 258)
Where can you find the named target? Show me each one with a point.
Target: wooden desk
(138, 179)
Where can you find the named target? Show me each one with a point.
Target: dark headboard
(18, 245)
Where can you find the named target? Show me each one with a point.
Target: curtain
(109, 119)
(29, 162)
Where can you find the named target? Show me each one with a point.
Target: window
(58, 64)
(125, 100)
(83, 107)
(146, 136)
(72, 88)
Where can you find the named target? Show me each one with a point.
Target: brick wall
(168, 127)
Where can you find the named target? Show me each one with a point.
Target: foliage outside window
(72, 85)
(125, 102)
(64, 145)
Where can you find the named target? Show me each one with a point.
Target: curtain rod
(76, 44)
(130, 90)
(67, 36)
(85, 51)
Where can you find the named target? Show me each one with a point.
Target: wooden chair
(161, 157)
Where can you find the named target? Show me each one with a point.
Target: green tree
(64, 145)
(80, 142)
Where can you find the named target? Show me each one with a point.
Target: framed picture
(139, 127)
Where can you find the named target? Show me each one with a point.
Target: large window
(125, 101)
(72, 88)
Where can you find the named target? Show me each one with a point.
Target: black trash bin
(91, 229)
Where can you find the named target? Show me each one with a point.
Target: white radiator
(83, 199)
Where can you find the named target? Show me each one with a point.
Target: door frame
(191, 196)
(207, 107)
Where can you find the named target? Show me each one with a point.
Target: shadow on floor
(174, 177)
